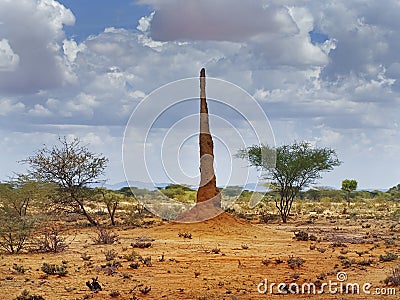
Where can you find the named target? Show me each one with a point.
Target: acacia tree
(73, 168)
(21, 193)
(110, 199)
(16, 223)
(296, 166)
(349, 185)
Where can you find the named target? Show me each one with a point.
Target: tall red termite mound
(208, 202)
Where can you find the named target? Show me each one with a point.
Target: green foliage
(349, 185)
(22, 193)
(297, 166)
(25, 296)
(388, 256)
(178, 187)
(15, 231)
(394, 192)
(301, 236)
(231, 191)
(20, 269)
(73, 168)
(20, 201)
(111, 199)
(182, 193)
(52, 269)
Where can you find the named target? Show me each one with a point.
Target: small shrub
(86, 257)
(19, 269)
(216, 250)
(388, 256)
(268, 217)
(114, 294)
(185, 235)
(313, 238)
(338, 244)
(390, 242)
(365, 262)
(265, 262)
(131, 256)
(110, 255)
(278, 261)
(145, 290)
(295, 262)
(105, 237)
(25, 296)
(245, 247)
(301, 236)
(147, 261)
(50, 241)
(15, 232)
(394, 278)
(361, 253)
(134, 265)
(142, 242)
(51, 269)
(347, 263)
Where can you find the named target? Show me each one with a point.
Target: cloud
(71, 49)
(10, 107)
(224, 20)
(8, 59)
(33, 29)
(276, 35)
(342, 94)
(39, 111)
(367, 36)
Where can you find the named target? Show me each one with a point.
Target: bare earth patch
(223, 258)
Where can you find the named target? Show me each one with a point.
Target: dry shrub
(394, 278)
(25, 296)
(50, 241)
(105, 237)
(51, 269)
(295, 262)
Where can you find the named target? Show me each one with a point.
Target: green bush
(388, 256)
(25, 296)
(301, 236)
(15, 232)
(51, 269)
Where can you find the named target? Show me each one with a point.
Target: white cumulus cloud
(34, 31)
(8, 59)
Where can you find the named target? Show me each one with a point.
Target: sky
(327, 72)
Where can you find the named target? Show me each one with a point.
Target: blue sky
(93, 19)
(324, 72)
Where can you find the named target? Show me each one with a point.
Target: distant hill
(139, 184)
(150, 186)
(249, 186)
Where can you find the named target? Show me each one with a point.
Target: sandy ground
(226, 258)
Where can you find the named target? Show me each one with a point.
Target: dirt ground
(225, 258)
